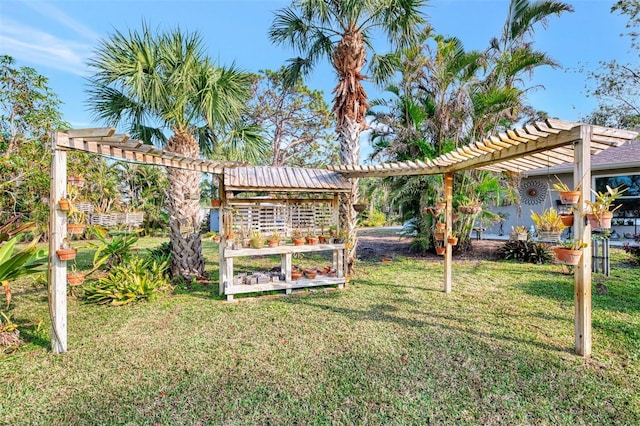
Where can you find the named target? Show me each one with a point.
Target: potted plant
(64, 204)
(340, 238)
(453, 239)
(441, 226)
(519, 233)
(441, 205)
(439, 235)
(274, 239)
(75, 278)
(433, 211)
(569, 252)
(297, 237)
(256, 241)
(66, 252)
(310, 273)
(359, 207)
(333, 230)
(567, 195)
(75, 180)
(296, 274)
(549, 224)
(600, 212)
(312, 240)
(470, 208)
(213, 236)
(567, 217)
(440, 251)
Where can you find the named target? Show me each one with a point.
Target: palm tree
(152, 83)
(341, 31)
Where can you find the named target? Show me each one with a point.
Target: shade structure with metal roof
(542, 144)
(284, 179)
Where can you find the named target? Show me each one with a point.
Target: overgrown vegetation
(525, 251)
(634, 249)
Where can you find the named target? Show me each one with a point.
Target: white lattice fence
(284, 218)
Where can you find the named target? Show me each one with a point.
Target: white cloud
(34, 46)
(51, 12)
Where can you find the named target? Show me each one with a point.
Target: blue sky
(56, 37)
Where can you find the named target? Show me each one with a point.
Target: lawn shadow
(380, 312)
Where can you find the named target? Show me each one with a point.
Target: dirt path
(379, 243)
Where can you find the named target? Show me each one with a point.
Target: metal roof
(272, 179)
(543, 144)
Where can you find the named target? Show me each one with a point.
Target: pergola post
(582, 231)
(57, 233)
(448, 195)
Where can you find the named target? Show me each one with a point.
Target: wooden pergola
(543, 144)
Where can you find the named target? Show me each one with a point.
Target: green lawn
(390, 349)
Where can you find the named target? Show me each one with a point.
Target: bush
(136, 280)
(633, 250)
(525, 251)
(377, 218)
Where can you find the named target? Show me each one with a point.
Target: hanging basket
(469, 209)
(569, 197)
(441, 205)
(567, 219)
(441, 226)
(75, 278)
(439, 235)
(600, 220)
(215, 203)
(452, 240)
(567, 256)
(75, 181)
(66, 254)
(75, 228)
(359, 207)
(64, 204)
(440, 251)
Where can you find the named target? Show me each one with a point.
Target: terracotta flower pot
(67, 254)
(441, 205)
(215, 203)
(440, 251)
(64, 204)
(452, 240)
(312, 241)
(601, 220)
(310, 274)
(75, 181)
(322, 239)
(75, 278)
(567, 219)
(296, 275)
(439, 235)
(569, 197)
(441, 226)
(75, 228)
(567, 256)
(298, 241)
(256, 243)
(273, 243)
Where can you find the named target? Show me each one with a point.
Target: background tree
(28, 112)
(341, 31)
(153, 83)
(617, 85)
(295, 119)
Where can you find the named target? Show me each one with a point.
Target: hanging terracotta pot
(601, 220)
(441, 205)
(215, 203)
(75, 278)
(440, 251)
(66, 253)
(75, 181)
(75, 228)
(567, 219)
(452, 240)
(439, 235)
(569, 197)
(359, 207)
(64, 204)
(441, 226)
(567, 256)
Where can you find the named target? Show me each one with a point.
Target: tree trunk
(349, 135)
(184, 210)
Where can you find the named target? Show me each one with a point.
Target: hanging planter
(433, 211)
(66, 253)
(567, 219)
(359, 207)
(64, 204)
(567, 256)
(600, 220)
(470, 210)
(215, 203)
(75, 278)
(441, 226)
(440, 251)
(452, 240)
(75, 181)
(75, 228)
(569, 197)
(551, 236)
(441, 205)
(439, 235)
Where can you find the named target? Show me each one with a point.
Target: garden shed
(279, 202)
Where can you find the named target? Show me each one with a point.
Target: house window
(630, 181)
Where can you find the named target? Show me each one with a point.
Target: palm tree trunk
(349, 136)
(184, 211)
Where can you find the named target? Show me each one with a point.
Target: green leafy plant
(111, 252)
(15, 265)
(560, 186)
(138, 279)
(525, 251)
(548, 221)
(604, 200)
(571, 244)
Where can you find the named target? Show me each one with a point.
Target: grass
(390, 349)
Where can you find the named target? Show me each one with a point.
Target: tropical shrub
(633, 250)
(138, 279)
(377, 218)
(112, 252)
(525, 251)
